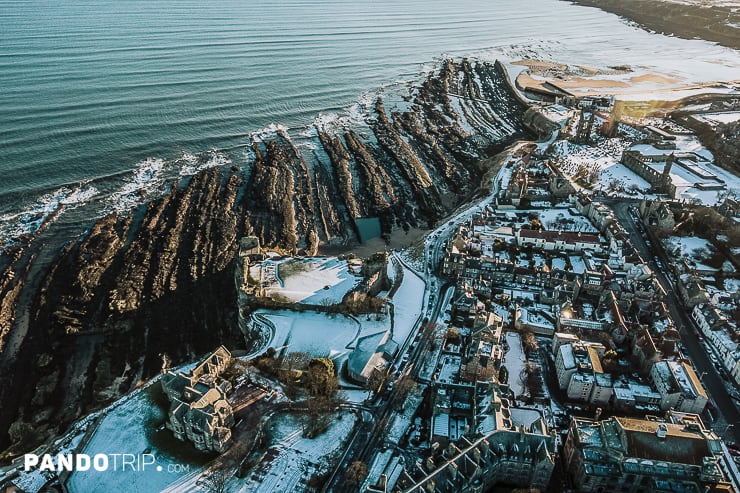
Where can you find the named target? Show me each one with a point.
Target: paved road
(434, 247)
(687, 327)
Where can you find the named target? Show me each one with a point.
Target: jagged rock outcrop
(11, 282)
(159, 279)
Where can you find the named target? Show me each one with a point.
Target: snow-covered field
(696, 250)
(132, 428)
(293, 459)
(407, 303)
(333, 335)
(313, 280)
(319, 334)
(514, 362)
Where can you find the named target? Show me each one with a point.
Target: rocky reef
(82, 323)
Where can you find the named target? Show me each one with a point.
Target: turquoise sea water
(90, 89)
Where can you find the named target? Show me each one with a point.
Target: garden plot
(563, 220)
(515, 363)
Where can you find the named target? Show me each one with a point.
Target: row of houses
(582, 376)
(723, 336)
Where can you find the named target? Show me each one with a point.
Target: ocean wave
(267, 132)
(44, 210)
(148, 176)
(195, 164)
(308, 132)
(311, 146)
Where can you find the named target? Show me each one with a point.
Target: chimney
(661, 431)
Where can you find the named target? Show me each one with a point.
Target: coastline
(713, 23)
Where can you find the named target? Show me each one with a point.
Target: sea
(104, 101)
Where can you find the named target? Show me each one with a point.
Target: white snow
(694, 250)
(407, 305)
(131, 428)
(732, 285)
(563, 219)
(319, 334)
(313, 280)
(514, 361)
(297, 458)
(724, 117)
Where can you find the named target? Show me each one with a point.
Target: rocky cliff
(94, 318)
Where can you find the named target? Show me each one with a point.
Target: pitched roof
(566, 236)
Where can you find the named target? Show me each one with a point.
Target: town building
(495, 451)
(692, 291)
(631, 396)
(679, 387)
(643, 455)
(372, 353)
(657, 213)
(199, 410)
(580, 374)
(573, 241)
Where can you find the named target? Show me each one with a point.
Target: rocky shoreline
(93, 320)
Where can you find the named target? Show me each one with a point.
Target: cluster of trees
(317, 376)
(532, 379)
(706, 222)
(610, 361)
(356, 303)
(529, 342)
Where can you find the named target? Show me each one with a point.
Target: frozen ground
(134, 428)
(293, 459)
(314, 280)
(319, 334)
(515, 362)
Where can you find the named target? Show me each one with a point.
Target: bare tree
(378, 379)
(213, 481)
(356, 473)
(404, 385)
(529, 341)
(290, 370)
